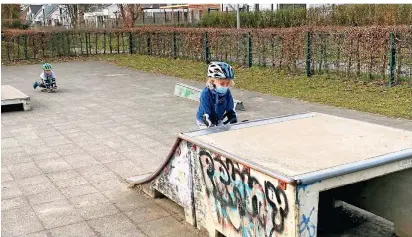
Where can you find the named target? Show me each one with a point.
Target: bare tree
(10, 11)
(130, 13)
(76, 13)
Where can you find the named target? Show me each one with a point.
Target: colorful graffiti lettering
(240, 200)
(306, 228)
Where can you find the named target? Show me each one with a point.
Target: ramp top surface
(305, 143)
(10, 93)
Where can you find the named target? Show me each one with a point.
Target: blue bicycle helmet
(220, 70)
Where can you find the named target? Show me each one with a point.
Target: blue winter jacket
(214, 105)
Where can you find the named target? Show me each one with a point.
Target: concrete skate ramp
(12, 96)
(264, 177)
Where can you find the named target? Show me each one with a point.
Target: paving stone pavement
(63, 163)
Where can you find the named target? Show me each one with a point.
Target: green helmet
(46, 66)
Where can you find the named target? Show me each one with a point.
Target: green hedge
(334, 15)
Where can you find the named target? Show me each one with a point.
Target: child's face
(47, 72)
(222, 83)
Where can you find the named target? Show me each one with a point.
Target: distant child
(216, 101)
(47, 77)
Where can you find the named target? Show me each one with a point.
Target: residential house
(59, 16)
(50, 15)
(42, 17)
(53, 17)
(102, 16)
(32, 11)
(64, 16)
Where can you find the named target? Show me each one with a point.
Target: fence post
(7, 46)
(18, 47)
(123, 50)
(118, 42)
(174, 45)
(308, 54)
(90, 43)
(69, 48)
(392, 61)
(53, 43)
(81, 43)
(42, 43)
(25, 46)
(130, 43)
(87, 43)
(104, 42)
(58, 44)
(249, 50)
(206, 48)
(110, 43)
(399, 53)
(149, 45)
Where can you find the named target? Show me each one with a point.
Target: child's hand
(231, 117)
(206, 120)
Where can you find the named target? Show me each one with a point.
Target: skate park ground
(64, 161)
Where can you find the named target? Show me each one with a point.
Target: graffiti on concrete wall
(306, 227)
(175, 181)
(241, 201)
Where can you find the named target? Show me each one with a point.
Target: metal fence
(359, 57)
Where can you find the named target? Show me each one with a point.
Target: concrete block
(12, 96)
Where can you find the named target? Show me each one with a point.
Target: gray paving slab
(64, 160)
(57, 213)
(13, 203)
(74, 230)
(19, 221)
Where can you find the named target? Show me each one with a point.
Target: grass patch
(374, 97)
(330, 90)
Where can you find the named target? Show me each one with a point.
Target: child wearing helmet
(47, 77)
(216, 101)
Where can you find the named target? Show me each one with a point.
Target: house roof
(35, 9)
(24, 8)
(50, 10)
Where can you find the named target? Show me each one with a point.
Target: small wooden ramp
(12, 96)
(265, 177)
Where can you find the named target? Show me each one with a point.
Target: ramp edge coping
(320, 175)
(258, 122)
